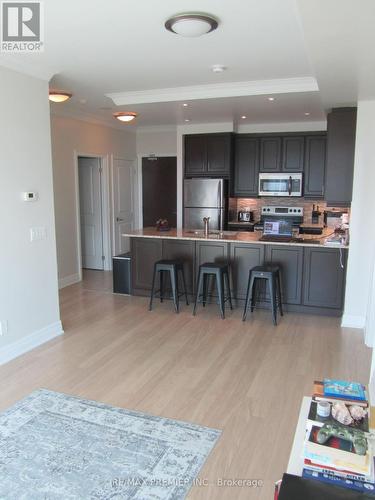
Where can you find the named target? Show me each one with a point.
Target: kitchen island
(313, 274)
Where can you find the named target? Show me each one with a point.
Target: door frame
(134, 189)
(105, 196)
(139, 205)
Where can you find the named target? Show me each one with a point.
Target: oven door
(280, 185)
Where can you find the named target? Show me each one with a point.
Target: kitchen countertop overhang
(231, 237)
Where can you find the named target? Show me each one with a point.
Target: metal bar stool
(221, 274)
(272, 276)
(173, 267)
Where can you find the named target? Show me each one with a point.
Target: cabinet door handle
(119, 220)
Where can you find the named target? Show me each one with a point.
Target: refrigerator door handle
(220, 194)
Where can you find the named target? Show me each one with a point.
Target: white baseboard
(30, 341)
(69, 280)
(350, 321)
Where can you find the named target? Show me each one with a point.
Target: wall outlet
(38, 233)
(3, 327)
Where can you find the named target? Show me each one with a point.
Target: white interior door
(123, 203)
(90, 198)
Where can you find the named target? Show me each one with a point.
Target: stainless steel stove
(295, 214)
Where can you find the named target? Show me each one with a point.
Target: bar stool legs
(173, 268)
(272, 276)
(221, 274)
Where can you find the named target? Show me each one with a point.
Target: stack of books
(336, 460)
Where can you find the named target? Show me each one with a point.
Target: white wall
(157, 140)
(362, 223)
(28, 271)
(70, 136)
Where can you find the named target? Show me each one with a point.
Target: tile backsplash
(256, 204)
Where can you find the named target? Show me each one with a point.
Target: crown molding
(217, 90)
(156, 128)
(305, 126)
(88, 118)
(27, 68)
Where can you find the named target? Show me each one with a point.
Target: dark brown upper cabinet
(208, 155)
(340, 155)
(282, 153)
(293, 148)
(246, 166)
(315, 162)
(270, 154)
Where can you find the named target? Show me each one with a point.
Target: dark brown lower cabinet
(324, 278)
(210, 251)
(145, 252)
(290, 260)
(313, 280)
(242, 258)
(183, 250)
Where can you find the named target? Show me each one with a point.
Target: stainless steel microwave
(283, 184)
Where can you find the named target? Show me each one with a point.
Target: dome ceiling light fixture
(125, 116)
(191, 25)
(59, 96)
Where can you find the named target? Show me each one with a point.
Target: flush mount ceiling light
(243, 117)
(218, 68)
(307, 113)
(59, 96)
(191, 25)
(125, 116)
(271, 99)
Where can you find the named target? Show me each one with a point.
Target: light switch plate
(3, 327)
(38, 233)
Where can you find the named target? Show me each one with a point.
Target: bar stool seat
(173, 267)
(220, 271)
(271, 274)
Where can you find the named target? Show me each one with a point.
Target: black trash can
(122, 279)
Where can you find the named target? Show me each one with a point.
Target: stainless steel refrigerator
(205, 198)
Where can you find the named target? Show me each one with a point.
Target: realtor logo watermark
(22, 27)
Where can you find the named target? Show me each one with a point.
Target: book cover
(343, 389)
(363, 424)
(360, 486)
(318, 395)
(329, 469)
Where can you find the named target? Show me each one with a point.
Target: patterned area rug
(54, 446)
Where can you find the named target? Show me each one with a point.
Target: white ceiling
(99, 47)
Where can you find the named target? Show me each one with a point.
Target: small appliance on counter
(245, 216)
(315, 216)
(332, 218)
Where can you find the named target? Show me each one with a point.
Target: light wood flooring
(247, 379)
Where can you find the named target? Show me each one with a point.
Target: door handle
(290, 185)
(119, 220)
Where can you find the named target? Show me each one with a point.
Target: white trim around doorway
(106, 212)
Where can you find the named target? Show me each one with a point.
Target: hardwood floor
(247, 379)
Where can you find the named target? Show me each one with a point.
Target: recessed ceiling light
(191, 25)
(185, 105)
(307, 113)
(218, 68)
(125, 116)
(243, 117)
(59, 96)
(83, 101)
(271, 98)
(187, 119)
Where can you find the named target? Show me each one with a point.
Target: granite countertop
(229, 236)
